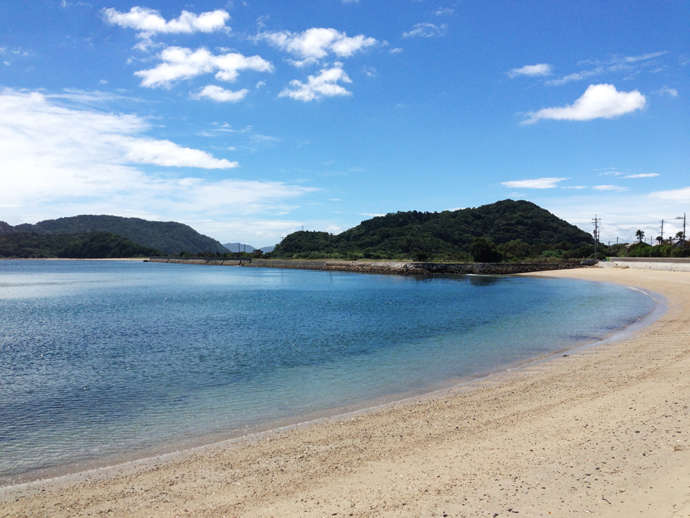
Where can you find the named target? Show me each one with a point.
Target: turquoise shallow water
(100, 358)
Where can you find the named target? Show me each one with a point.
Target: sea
(107, 360)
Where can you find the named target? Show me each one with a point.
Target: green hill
(168, 237)
(77, 246)
(518, 229)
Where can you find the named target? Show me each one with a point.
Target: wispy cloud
(641, 175)
(183, 63)
(444, 11)
(60, 160)
(615, 64)
(540, 69)
(534, 183)
(621, 215)
(324, 84)
(8, 55)
(671, 92)
(601, 101)
(312, 45)
(682, 194)
(426, 30)
(610, 188)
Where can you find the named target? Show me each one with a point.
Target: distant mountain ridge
(244, 247)
(239, 247)
(168, 237)
(519, 229)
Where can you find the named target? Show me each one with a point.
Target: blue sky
(249, 120)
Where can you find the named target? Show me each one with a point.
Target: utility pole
(684, 218)
(662, 230)
(597, 222)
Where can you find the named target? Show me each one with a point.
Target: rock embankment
(385, 267)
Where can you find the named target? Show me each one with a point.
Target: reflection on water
(103, 357)
(483, 280)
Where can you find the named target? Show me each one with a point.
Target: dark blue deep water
(100, 358)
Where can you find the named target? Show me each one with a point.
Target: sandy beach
(601, 431)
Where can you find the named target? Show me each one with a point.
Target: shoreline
(165, 448)
(387, 416)
(153, 454)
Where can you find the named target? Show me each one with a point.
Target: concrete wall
(673, 264)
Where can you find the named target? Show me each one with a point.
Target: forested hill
(518, 229)
(76, 246)
(168, 237)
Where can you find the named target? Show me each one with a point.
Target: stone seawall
(385, 267)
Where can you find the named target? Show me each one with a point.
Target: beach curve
(600, 431)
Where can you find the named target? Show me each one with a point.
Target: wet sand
(602, 431)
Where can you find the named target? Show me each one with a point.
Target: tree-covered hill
(518, 229)
(77, 246)
(169, 237)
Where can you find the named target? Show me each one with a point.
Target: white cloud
(641, 175)
(183, 63)
(325, 84)
(598, 101)
(396, 50)
(534, 183)
(681, 195)
(671, 92)
(540, 69)
(149, 21)
(610, 188)
(60, 161)
(216, 93)
(426, 30)
(317, 43)
(168, 154)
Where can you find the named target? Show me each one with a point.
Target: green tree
(639, 234)
(484, 251)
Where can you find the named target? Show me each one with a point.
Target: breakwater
(382, 267)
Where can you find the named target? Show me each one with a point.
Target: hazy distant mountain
(239, 247)
(168, 237)
(519, 228)
(267, 249)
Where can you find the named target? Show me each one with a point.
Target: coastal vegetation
(168, 237)
(506, 230)
(77, 246)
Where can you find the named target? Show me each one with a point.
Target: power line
(597, 222)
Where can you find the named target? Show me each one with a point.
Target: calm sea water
(98, 358)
